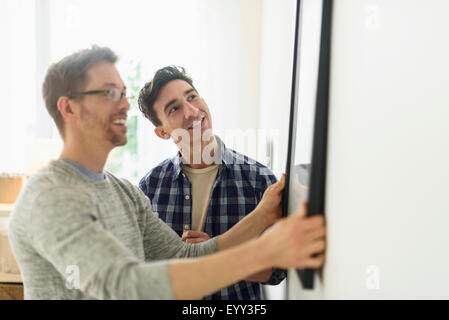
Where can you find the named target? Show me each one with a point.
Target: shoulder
(53, 181)
(58, 183)
(45, 204)
(122, 185)
(250, 168)
(151, 179)
(47, 201)
(124, 189)
(245, 163)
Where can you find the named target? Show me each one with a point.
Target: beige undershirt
(202, 181)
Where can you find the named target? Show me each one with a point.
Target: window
(218, 42)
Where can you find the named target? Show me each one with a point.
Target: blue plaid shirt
(237, 190)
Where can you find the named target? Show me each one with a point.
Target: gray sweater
(78, 238)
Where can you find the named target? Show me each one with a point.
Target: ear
(65, 108)
(161, 133)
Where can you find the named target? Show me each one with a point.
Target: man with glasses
(78, 232)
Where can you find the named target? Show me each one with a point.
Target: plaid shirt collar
(226, 160)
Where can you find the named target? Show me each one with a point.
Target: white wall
(17, 84)
(387, 180)
(278, 32)
(223, 57)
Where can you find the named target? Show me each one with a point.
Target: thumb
(303, 210)
(282, 182)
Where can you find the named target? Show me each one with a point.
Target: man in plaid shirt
(206, 188)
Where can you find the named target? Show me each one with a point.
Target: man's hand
(296, 241)
(293, 242)
(192, 236)
(269, 207)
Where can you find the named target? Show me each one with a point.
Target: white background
(388, 179)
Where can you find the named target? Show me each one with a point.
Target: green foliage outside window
(122, 161)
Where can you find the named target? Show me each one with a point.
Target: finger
(312, 222)
(314, 262)
(199, 234)
(192, 234)
(196, 234)
(278, 186)
(316, 234)
(196, 240)
(302, 212)
(305, 208)
(282, 182)
(281, 185)
(187, 233)
(315, 248)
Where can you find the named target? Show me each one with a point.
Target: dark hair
(69, 75)
(150, 91)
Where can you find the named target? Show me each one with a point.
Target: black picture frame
(316, 173)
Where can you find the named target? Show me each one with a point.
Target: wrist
(263, 218)
(262, 255)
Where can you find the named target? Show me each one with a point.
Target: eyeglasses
(113, 94)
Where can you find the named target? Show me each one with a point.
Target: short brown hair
(149, 93)
(69, 75)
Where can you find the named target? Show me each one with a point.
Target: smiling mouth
(119, 122)
(196, 123)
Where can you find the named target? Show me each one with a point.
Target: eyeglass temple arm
(87, 92)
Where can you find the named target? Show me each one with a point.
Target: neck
(201, 156)
(89, 156)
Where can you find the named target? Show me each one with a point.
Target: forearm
(262, 276)
(248, 228)
(196, 278)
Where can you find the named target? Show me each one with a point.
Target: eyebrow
(111, 84)
(174, 100)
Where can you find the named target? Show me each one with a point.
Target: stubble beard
(91, 121)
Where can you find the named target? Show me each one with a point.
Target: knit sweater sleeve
(65, 231)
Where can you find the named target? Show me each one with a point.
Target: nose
(124, 104)
(190, 111)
